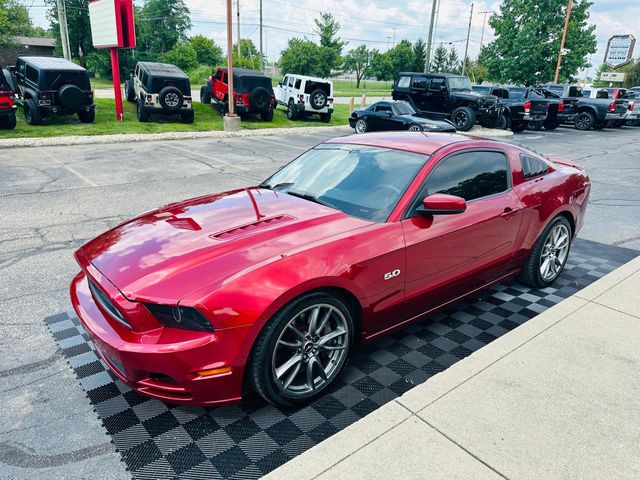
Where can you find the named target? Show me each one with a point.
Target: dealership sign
(619, 50)
(612, 77)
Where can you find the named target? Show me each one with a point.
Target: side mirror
(442, 204)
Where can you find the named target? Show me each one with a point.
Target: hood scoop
(252, 227)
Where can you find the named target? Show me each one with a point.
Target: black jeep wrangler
(46, 85)
(7, 102)
(159, 88)
(446, 95)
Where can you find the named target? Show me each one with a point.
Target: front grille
(103, 301)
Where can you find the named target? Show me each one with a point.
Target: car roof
(162, 69)
(245, 72)
(431, 74)
(426, 144)
(306, 77)
(51, 63)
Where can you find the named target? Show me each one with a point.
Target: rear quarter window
(533, 167)
(404, 82)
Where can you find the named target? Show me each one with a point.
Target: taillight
(612, 107)
(527, 107)
(301, 97)
(6, 100)
(242, 99)
(631, 106)
(561, 107)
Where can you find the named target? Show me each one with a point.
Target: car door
(382, 118)
(419, 84)
(450, 255)
(436, 96)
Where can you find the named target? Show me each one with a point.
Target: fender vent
(251, 227)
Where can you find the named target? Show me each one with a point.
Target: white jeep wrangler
(303, 95)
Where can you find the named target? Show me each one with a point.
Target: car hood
(484, 97)
(418, 118)
(166, 254)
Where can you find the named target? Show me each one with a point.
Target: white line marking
(222, 162)
(280, 144)
(81, 176)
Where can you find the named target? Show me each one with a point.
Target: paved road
(54, 199)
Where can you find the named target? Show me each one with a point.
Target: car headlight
(175, 316)
(431, 126)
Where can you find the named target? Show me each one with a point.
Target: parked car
(302, 95)
(632, 114)
(586, 113)
(271, 286)
(50, 85)
(253, 92)
(524, 107)
(159, 88)
(445, 95)
(7, 104)
(395, 115)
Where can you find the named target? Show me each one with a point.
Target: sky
(381, 24)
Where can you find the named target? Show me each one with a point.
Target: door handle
(509, 212)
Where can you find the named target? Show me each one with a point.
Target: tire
(171, 99)
(361, 126)
(259, 98)
(551, 124)
(8, 122)
(129, 92)
(188, 116)
(584, 121)
(71, 97)
(292, 113)
(618, 123)
(503, 122)
(414, 127)
(87, 117)
(318, 99)
(517, 127)
(536, 126)
(598, 126)
(285, 362)
(141, 113)
(325, 117)
(464, 118)
(205, 95)
(32, 115)
(267, 115)
(532, 273)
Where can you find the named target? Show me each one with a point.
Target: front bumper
(163, 363)
(489, 113)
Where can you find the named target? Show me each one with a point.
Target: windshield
(556, 89)
(363, 182)
(403, 108)
(459, 83)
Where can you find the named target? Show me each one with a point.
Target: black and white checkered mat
(158, 440)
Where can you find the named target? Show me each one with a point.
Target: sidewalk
(557, 398)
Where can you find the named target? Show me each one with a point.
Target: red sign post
(113, 27)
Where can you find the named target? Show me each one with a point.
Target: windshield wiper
(310, 197)
(276, 186)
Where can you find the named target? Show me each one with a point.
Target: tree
(358, 61)
(419, 55)
(440, 59)
(327, 28)
(453, 62)
(182, 55)
(163, 23)
(207, 52)
(302, 57)
(249, 55)
(80, 42)
(528, 37)
(381, 67)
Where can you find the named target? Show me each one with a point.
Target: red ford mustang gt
(271, 286)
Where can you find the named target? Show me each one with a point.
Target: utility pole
(238, 17)
(466, 47)
(432, 22)
(64, 30)
(394, 37)
(564, 37)
(261, 55)
(484, 23)
(230, 98)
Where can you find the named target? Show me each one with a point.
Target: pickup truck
(633, 110)
(587, 113)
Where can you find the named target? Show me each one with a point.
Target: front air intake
(103, 302)
(251, 227)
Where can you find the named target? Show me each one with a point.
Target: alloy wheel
(361, 126)
(310, 350)
(171, 99)
(415, 128)
(554, 252)
(460, 119)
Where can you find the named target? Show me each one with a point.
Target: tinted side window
(575, 91)
(383, 108)
(32, 74)
(533, 167)
(404, 82)
(298, 83)
(420, 83)
(437, 84)
(469, 175)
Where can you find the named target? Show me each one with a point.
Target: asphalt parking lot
(56, 198)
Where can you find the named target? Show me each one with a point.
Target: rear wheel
(325, 117)
(8, 123)
(129, 92)
(551, 124)
(549, 254)
(463, 118)
(87, 116)
(536, 126)
(267, 115)
(141, 113)
(302, 349)
(31, 113)
(187, 117)
(584, 121)
(503, 122)
(598, 125)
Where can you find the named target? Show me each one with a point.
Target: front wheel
(292, 113)
(503, 122)
(205, 95)
(415, 128)
(302, 349)
(361, 126)
(549, 254)
(464, 118)
(129, 91)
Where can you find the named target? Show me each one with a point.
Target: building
(42, 47)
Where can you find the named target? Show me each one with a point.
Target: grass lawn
(371, 88)
(207, 118)
(102, 83)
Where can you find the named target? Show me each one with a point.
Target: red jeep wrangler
(252, 92)
(7, 104)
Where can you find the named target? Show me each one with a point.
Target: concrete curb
(150, 137)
